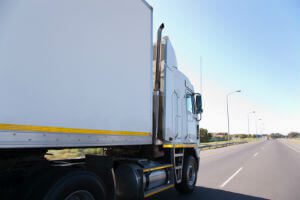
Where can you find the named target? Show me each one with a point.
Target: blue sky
(252, 45)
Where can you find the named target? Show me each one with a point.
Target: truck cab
(180, 115)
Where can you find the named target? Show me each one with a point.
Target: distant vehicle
(80, 74)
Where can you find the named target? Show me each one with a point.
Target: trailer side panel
(74, 71)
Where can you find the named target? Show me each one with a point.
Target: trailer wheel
(189, 175)
(76, 185)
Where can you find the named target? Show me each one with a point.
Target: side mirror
(199, 109)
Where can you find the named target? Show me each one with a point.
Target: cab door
(176, 116)
(191, 124)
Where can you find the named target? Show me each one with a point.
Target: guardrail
(215, 146)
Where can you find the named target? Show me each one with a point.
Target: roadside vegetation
(230, 141)
(219, 138)
(276, 135)
(291, 135)
(72, 153)
(294, 135)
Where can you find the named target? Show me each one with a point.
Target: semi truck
(87, 74)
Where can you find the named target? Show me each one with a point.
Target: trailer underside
(149, 169)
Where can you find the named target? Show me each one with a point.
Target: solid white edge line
(231, 177)
(255, 154)
(291, 147)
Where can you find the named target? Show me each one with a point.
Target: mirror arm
(199, 118)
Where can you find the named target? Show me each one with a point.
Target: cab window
(189, 103)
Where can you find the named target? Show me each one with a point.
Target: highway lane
(267, 169)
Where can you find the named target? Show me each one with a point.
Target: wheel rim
(191, 175)
(80, 195)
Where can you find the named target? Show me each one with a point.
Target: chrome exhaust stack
(156, 95)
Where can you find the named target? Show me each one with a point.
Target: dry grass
(233, 140)
(72, 153)
(295, 140)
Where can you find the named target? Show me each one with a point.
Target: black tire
(62, 186)
(189, 175)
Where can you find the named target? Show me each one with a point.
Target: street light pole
(262, 127)
(227, 105)
(253, 112)
(256, 125)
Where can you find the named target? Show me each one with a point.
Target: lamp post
(253, 112)
(228, 124)
(262, 128)
(256, 125)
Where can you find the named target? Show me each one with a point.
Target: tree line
(290, 135)
(294, 135)
(205, 136)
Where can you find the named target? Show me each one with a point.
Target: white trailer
(71, 69)
(79, 74)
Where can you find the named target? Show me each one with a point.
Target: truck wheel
(189, 175)
(76, 185)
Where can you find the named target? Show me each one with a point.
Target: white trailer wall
(80, 64)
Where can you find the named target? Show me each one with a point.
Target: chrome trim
(156, 94)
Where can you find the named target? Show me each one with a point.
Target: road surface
(268, 169)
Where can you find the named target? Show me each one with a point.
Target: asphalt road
(268, 169)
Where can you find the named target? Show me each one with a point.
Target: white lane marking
(231, 177)
(290, 146)
(255, 154)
